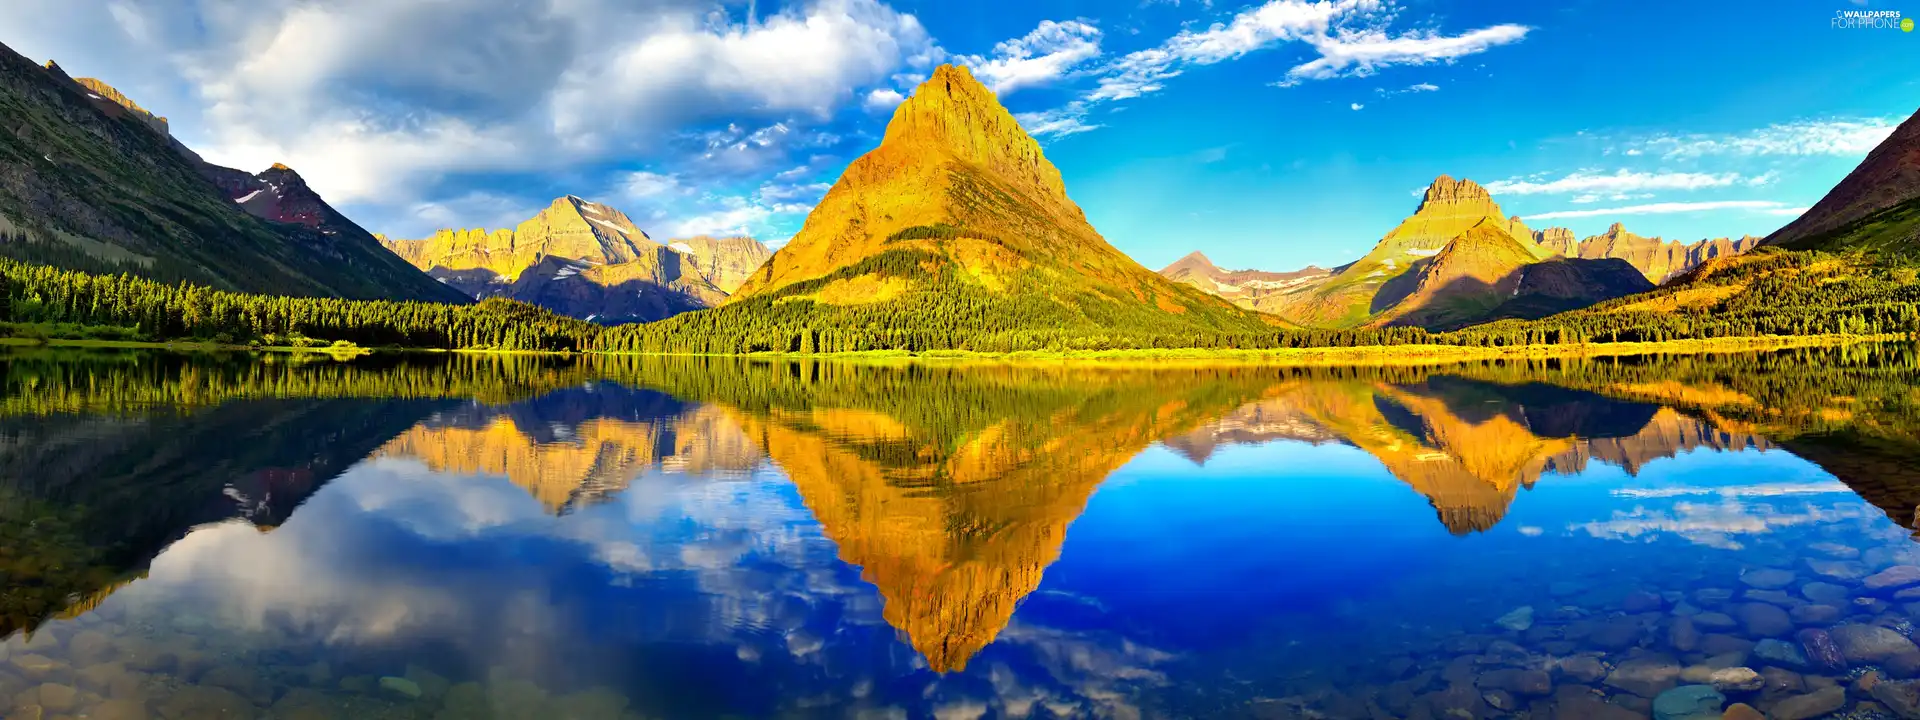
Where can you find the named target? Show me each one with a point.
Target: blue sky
(1267, 134)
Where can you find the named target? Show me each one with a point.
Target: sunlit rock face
(958, 201)
(586, 260)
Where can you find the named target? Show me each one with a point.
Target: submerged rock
(1893, 578)
(1821, 650)
(1767, 578)
(1764, 620)
(1644, 676)
(1902, 697)
(1742, 711)
(1870, 643)
(1688, 702)
(1824, 701)
(1736, 679)
(1780, 652)
(1517, 619)
(402, 687)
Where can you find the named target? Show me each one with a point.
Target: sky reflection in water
(1265, 545)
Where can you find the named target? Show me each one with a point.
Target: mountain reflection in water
(518, 537)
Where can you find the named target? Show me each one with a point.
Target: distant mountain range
(586, 260)
(1455, 262)
(90, 180)
(1404, 282)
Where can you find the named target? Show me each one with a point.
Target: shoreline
(1390, 355)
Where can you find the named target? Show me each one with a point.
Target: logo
(1871, 20)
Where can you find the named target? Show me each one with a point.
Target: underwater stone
(1870, 643)
(1824, 701)
(1838, 569)
(1517, 619)
(1736, 679)
(1821, 650)
(1898, 576)
(1780, 652)
(1824, 593)
(401, 686)
(1767, 578)
(1644, 676)
(1688, 702)
(1763, 620)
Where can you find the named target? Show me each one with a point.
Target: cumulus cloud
(1047, 54)
(644, 184)
(883, 99)
(1765, 206)
(377, 101)
(1357, 106)
(1618, 182)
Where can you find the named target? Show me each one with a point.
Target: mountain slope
(1877, 206)
(90, 184)
(954, 232)
(1246, 288)
(586, 260)
(1469, 277)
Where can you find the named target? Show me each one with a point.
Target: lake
(552, 538)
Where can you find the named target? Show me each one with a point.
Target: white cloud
(1048, 53)
(643, 184)
(1789, 211)
(1065, 120)
(1846, 137)
(1765, 206)
(1622, 181)
(472, 210)
(735, 215)
(1350, 37)
(1364, 52)
(377, 101)
(1357, 106)
(883, 99)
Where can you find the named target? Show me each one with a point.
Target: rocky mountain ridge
(586, 260)
(1541, 271)
(89, 180)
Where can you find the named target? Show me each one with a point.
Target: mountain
(1875, 206)
(726, 262)
(1357, 293)
(1657, 259)
(1245, 288)
(957, 220)
(90, 180)
(586, 260)
(1457, 261)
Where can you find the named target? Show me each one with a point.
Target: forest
(1767, 292)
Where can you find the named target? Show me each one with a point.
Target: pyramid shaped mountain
(1875, 206)
(586, 260)
(958, 215)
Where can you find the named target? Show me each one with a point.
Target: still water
(237, 537)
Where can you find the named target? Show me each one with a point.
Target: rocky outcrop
(1876, 205)
(586, 260)
(101, 90)
(726, 262)
(1657, 259)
